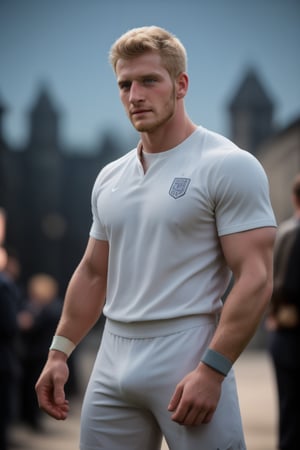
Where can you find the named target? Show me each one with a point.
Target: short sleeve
(241, 193)
(97, 229)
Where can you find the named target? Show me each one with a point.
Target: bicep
(89, 278)
(86, 291)
(95, 258)
(250, 250)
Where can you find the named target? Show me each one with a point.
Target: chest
(168, 195)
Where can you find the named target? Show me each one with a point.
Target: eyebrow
(140, 77)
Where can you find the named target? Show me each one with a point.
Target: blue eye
(149, 80)
(125, 86)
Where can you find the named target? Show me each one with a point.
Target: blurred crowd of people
(28, 319)
(29, 316)
(283, 323)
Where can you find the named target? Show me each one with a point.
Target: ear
(181, 83)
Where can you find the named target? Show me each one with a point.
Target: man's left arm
(249, 255)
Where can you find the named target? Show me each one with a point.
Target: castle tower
(251, 113)
(42, 188)
(44, 123)
(3, 154)
(43, 158)
(2, 113)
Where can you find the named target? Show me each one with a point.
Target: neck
(168, 136)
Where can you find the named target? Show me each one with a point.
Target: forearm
(83, 304)
(241, 315)
(249, 254)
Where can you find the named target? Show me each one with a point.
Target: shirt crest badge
(179, 187)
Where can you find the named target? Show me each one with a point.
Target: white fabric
(134, 376)
(165, 260)
(62, 344)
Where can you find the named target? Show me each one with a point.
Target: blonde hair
(138, 41)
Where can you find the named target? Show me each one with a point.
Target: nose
(136, 92)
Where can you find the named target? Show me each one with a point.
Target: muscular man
(172, 220)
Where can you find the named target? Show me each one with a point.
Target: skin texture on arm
(83, 305)
(249, 256)
(85, 295)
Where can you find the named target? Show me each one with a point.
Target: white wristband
(62, 344)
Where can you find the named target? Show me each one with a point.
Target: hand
(196, 397)
(50, 386)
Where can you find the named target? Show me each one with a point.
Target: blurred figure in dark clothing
(8, 357)
(37, 321)
(283, 323)
(13, 269)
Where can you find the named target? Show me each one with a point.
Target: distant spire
(251, 111)
(44, 121)
(2, 106)
(43, 103)
(251, 94)
(3, 110)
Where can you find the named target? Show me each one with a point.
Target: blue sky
(65, 44)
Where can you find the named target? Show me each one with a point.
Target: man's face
(147, 91)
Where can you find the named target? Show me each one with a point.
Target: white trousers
(133, 379)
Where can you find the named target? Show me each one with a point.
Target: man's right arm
(86, 292)
(83, 305)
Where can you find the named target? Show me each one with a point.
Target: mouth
(139, 112)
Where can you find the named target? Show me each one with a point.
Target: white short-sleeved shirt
(165, 259)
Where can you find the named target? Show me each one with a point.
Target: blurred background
(61, 119)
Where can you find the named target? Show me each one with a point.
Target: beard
(165, 113)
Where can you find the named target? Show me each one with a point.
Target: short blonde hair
(138, 41)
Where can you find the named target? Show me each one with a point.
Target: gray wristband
(216, 361)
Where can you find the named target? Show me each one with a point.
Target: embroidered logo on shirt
(179, 187)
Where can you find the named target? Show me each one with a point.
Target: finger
(179, 416)
(208, 417)
(194, 417)
(175, 399)
(48, 404)
(180, 413)
(202, 417)
(59, 412)
(59, 394)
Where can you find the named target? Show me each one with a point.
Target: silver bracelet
(216, 361)
(62, 344)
